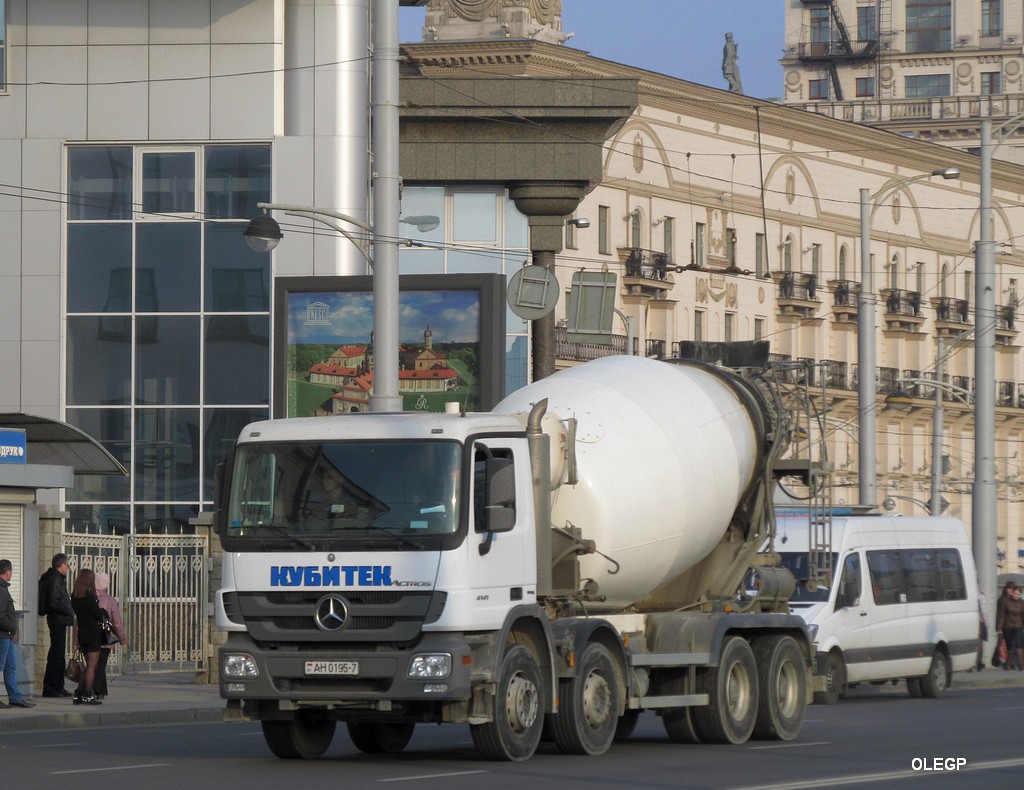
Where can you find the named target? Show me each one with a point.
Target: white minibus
(904, 604)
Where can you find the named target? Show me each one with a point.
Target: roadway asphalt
(137, 699)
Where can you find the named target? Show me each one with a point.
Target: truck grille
(391, 616)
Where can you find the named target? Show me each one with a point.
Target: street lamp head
(579, 222)
(899, 400)
(263, 233)
(947, 172)
(422, 222)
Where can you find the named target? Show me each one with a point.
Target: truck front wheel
(732, 693)
(588, 713)
(380, 737)
(305, 737)
(515, 731)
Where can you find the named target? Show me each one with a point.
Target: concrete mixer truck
(550, 569)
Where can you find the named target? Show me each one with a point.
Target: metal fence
(162, 584)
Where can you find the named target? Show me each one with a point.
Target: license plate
(332, 667)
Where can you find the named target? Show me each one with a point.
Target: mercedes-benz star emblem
(331, 613)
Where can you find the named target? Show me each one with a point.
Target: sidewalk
(133, 699)
(178, 699)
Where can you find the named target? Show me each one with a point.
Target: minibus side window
(885, 568)
(849, 584)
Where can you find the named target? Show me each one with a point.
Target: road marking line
(55, 745)
(888, 776)
(112, 768)
(789, 745)
(432, 776)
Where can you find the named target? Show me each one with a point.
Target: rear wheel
(732, 691)
(514, 733)
(835, 681)
(588, 712)
(782, 681)
(380, 737)
(306, 737)
(935, 683)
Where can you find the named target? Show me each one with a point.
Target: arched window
(944, 281)
(894, 272)
(787, 254)
(634, 229)
(842, 262)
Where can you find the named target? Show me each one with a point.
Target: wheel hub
(521, 703)
(596, 700)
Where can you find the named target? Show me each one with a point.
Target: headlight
(430, 666)
(239, 665)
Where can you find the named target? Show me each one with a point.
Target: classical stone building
(927, 69)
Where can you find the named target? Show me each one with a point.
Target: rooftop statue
(730, 69)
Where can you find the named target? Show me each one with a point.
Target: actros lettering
(330, 575)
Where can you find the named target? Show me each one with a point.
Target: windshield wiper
(391, 532)
(286, 534)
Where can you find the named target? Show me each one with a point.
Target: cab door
(849, 624)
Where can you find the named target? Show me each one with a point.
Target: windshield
(798, 566)
(310, 492)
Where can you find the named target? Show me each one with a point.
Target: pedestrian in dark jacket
(1010, 623)
(8, 631)
(90, 634)
(55, 603)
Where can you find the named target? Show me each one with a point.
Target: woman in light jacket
(108, 602)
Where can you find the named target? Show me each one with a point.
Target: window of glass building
(167, 333)
(481, 231)
(929, 26)
(924, 85)
(3, 46)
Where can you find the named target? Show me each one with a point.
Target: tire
(835, 681)
(914, 688)
(678, 722)
(306, 737)
(732, 690)
(935, 683)
(380, 737)
(782, 684)
(626, 724)
(514, 733)
(588, 713)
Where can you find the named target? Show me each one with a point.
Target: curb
(76, 719)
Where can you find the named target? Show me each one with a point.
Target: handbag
(1000, 655)
(75, 668)
(110, 636)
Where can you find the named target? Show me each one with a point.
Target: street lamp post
(867, 384)
(984, 509)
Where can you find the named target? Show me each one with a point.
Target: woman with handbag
(88, 616)
(114, 632)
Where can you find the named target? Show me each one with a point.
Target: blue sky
(680, 38)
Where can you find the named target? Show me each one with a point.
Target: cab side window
(849, 583)
(489, 462)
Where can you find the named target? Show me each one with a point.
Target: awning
(55, 443)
